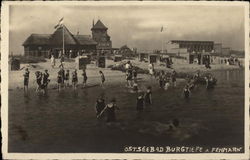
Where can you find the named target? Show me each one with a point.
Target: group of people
(165, 79)
(102, 109)
(63, 79)
(144, 98)
(131, 76)
(42, 80)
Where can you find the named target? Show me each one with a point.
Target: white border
(4, 86)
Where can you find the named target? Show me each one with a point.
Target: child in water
(140, 102)
(135, 86)
(167, 82)
(186, 91)
(102, 78)
(148, 96)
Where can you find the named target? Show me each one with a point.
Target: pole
(63, 38)
(161, 44)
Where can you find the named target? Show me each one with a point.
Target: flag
(161, 28)
(59, 23)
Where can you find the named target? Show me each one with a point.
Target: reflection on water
(66, 122)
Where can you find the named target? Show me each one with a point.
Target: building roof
(99, 25)
(57, 38)
(85, 40)
(37, 39)
(184, 41)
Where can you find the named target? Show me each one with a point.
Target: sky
(134, 25)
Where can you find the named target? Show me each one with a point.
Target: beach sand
(16, 77)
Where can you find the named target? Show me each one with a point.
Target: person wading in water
(46, 81)
(148, 96)
(102, 78)
(74, 79)
(84, 74)
(99, 107)
(26, 80)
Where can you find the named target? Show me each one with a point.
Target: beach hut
(101, 62)
(117, 58)
(14, 64)
(82, 62)
(153, 58)
(206, 58)
(143, 57)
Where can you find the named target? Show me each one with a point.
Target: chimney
(93, 23)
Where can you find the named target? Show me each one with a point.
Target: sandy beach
(16, 77)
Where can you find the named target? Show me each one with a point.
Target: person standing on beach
(173, 77)
(129, 78)
(74, 79)
(102, 78)
(59, 80)
(151, 69)
(134, 72)
(161, 79)
(84, 77)
(62, 61)
(53, 61)
(26, 80)
(148, 96)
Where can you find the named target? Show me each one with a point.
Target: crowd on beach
(144, 98)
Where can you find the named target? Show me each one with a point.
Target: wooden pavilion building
(47, 44)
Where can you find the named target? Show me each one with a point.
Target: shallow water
(66, 121)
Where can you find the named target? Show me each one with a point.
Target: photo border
(4, 86)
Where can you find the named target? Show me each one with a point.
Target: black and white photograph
(125, 79)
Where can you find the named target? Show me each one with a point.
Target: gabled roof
(99, 25)
(37, 39)
(85, 40)
(57, 37)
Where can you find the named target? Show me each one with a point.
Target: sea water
(66, 121)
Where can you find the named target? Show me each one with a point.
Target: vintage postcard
(125, 80)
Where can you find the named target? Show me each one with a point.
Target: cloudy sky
(135, 25)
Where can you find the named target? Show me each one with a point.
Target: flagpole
(162, 41)
(161, 44)
(63, 38)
